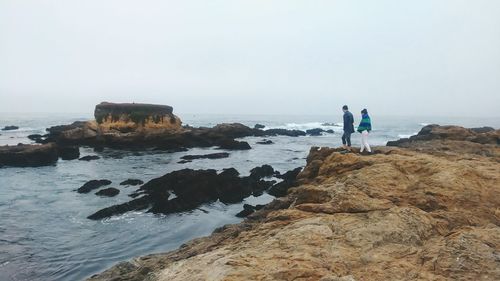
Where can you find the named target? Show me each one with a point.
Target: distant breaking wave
(306, 126)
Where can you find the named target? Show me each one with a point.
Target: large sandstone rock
(417, 213)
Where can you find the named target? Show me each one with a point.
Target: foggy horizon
(423, 58)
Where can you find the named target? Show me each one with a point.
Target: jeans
(364, 142)
(346, 139)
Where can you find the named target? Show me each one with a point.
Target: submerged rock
(108, 192)
(93, 184)
(284, 132)
(132, 182)
(28, 155)
(259, 126)
(315, 132)
(217, 155)
(10, 128)
(265, 142)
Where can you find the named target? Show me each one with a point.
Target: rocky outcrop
(414, 213)
(191, 189)
(28, 155)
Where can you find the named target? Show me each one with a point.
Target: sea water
(44, 232)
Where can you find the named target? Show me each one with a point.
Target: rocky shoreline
(134, 126)
(424, 208)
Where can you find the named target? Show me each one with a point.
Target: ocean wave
(424, 124)
(306, 126)
(406, 136)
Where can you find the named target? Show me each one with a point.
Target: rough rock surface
(108, 192)
(92, 184)
(191, 189)
(28, 155)
(426, 212)
(10, 128)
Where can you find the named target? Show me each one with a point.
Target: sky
(415, 58)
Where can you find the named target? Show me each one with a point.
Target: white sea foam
(406, 136)
(423, 124)
(306, 126)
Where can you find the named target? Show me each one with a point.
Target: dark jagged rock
(284, 132)
(68, 152)
(262, 172)
(330, 131)
(28, 155)
(259, 126)
(315, 132)
(10, 128)
(93, 184)
(184, 161)
(132, 182)
(247, 210)
(265, 142)
(231, 144)
(191, 188)
(133, 205)
(108, 192)
(289, 180)
(89, 158)
(36, 137)
(206, 156)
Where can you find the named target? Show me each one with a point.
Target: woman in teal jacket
(365, 128)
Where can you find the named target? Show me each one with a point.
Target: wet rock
(231, 144)
(28, 155)
(289, 180)
(284, 132)
(93, 184)
(89, 158)
(191, 188)
(132, 182)
(36, 137)
(10, 128)
(259, 126)
(262, 172)
(247, 210)
(133, 205)
(206, 156)
(265, 142)
(68, 152)
(108, 192)
(184, 161)
(330, 131)
(315, 132)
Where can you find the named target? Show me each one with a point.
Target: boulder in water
(108, 192)
(93, 184)
(10, 128)
(28, 155)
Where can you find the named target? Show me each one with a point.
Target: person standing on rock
(348, 127)
(365, 127)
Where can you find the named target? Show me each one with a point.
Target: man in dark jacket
(348, 127)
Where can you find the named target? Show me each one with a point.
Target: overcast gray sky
(425, 57)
